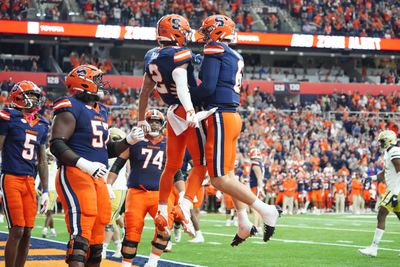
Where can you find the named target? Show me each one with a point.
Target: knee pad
(129, 244)
(77, 248)
(95, 253)
(109, 228)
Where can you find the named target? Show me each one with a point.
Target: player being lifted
(147, 159)
(169, 68)
(391, 174)
(80, 142)
(221, 77)
(23, 136)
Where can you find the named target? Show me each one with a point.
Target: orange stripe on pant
(19, 200)
(138, 203)
(86, 203)
(223, 130)
(194, 140)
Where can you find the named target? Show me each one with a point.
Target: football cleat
(369, 251)
(184, 220)
(198, 239)
(237, 240)
(162, 226)
(270, 230)
(177, 233)
(168, 247)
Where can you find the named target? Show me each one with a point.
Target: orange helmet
(26, 95)
(154, 114)
(255, 153)
(217, 28)
(85, 78)
(173, 28)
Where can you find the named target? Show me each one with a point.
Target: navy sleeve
(44, 137)
(4, 122)
(209, 76)
(64, 104)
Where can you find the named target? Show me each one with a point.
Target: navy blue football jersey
(90, 137)
(300, 186)
(159, 64)
(19, 154)
(253, 177)
(147, 162)
(221, 77)
(316, 184)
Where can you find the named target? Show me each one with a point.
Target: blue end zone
(40, 243)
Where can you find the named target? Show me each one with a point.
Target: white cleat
(197, 239)
(177, 234)
(169, 247)
(369, 251)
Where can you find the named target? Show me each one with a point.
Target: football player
(147, 160)
(169, 68)
(49, 222)
(391, 174)
(257, 171)
(80, 142)
(221, 76)
(23, 135)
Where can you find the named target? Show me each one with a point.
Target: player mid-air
(80, 142)
(169, 68)
(23, 135)
(221, 79)
(391, 174)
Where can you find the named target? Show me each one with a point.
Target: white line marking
(214, 243)
(345, 241)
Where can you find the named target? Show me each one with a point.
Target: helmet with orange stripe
(26, 95)
(86, 82)
(157, 122)
(173, 29)
(218, 28)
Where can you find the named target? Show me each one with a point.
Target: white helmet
(387, 139)
(116, 134)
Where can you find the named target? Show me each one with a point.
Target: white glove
(44, 202)
(191, 118)
(135, 135)
(144, 125)
(111, 191)
(95, 169)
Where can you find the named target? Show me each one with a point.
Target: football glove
(95, 169)
(44, 202)
(394, 200)
(135, 135)
(111, 191)
(191, 118)
(144, 125)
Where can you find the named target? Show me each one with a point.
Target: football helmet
(26, 95)
(255, 153)
(154, 114)
(116, 134)
(85, 79)
(173, 28)
(387, 139)
(217, 28)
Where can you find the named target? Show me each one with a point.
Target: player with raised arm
(221, 76)
(391, 174)
(80, 142)
(147, 160)
(169, 69)
(23, 135)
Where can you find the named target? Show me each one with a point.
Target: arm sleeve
(209, 77)
(4, 123)
(180, 78)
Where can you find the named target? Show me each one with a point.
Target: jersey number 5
(157, 160)
(29, 148)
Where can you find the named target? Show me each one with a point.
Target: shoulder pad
(182, 55)
(5, 115)
(63, 102)
(213, 49)
(394, 152)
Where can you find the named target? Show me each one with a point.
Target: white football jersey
(120, 183)
(392, 178)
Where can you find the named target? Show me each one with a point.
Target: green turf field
(300, 240)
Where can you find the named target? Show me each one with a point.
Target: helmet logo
(81, 72)
(219, 22)
(176, 23)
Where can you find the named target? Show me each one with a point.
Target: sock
(163, 208)
(267, 212)
(194, 181)
(153, 258)
(166, 183)
(244, 224)
(186, 206)
(126, 263)
(377, 237)
(198, 233)
(181, 196)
